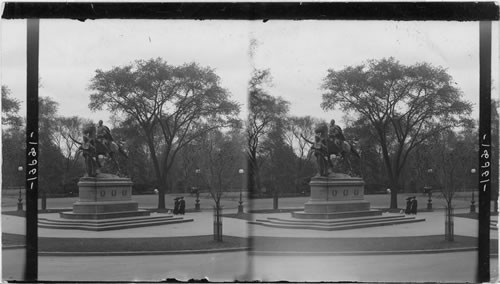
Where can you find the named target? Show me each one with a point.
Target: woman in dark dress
(414, 205)
(182, 206)
(176, 206)
(408, 206)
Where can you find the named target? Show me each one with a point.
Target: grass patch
(23, 213)
(138, 244)
(364, 244)
(470, 215)
(13, 240)
(15, 213)
(284, 210)
(242, 216)
(257, 243)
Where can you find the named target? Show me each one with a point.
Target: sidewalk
(433, 225)
(203, 226)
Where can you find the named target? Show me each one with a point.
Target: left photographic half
(141, 142)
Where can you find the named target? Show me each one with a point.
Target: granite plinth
(104, 196)
(336, 196)
(100, 216)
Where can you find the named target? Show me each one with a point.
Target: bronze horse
(324, 146)
(92, 148)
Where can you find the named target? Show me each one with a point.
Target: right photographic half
(364, 151)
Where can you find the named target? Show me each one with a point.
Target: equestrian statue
(99, 142)
(328, 141)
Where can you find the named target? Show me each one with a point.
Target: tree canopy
(172, 105)
(10, 109)
(405, 105)
(264, 111)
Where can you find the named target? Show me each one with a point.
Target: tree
(220, 157)
(13, 140)
(137, 166)
(281, 161)
(49, 177)
(370, 166)
(10, 111)
(296, 128)
(172, 105)
(65, 130)
(405, 105)
(451, 157)
(264, 110)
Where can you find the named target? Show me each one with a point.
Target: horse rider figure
(104, 135)
(88, 148)
(320, 138)
(320, 146)
(335, 134)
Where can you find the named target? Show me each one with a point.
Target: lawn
(128, 244)
(271, 244)
(385, 244)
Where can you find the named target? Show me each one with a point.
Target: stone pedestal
(336, 196)
(102, 197)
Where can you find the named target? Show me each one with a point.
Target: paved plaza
(218, 266)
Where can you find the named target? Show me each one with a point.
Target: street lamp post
(240, 207)
(197, 205)
(429, 202)
(472, 202)
(20, 199)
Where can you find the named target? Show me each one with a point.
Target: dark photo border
(482, 12)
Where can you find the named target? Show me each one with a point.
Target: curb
(353, 253)
(120, 253)
(13, 246)
(251, 252)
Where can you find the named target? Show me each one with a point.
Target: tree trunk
(393, 179)
(449, 225)
(394, 197)
(161, 198)
(159, 178)
(250, 178)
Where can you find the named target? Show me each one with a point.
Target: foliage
(452, 158)
(296, 128)
(49, 177)
(281, 160)
(220, 158)
(172, 106)
(10, 111)
(405, 105)
(138, 166)
(264, 111)
(13, 141)
(370, 165)
(65, 130)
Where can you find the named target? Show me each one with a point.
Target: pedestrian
(414, 205)
(408, 205)
(182, 206)
(176, 206)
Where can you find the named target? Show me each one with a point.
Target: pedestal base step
(103, 215)
(110, 224)
(336, 215)
(335, 225)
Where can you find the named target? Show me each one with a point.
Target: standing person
(176, 206)
(408, 205)
(104, 134)
(414, 205)
(335, 133)
(182, 206)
